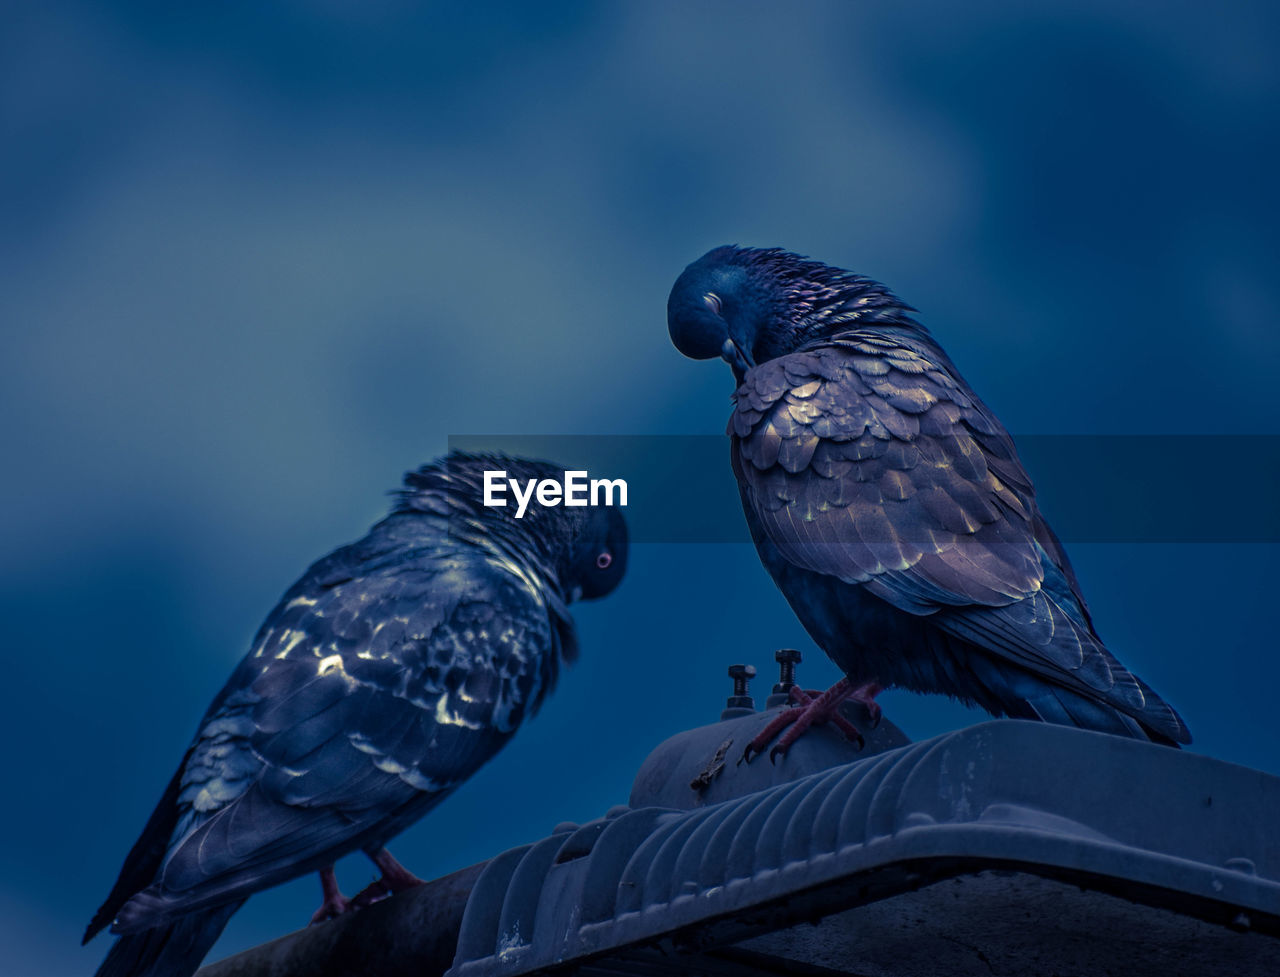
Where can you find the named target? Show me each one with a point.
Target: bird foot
(375, 891)
(866, 694)
(395, 878)
(810, 707)
(335, 903)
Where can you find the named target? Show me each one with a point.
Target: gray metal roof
(1165, 828)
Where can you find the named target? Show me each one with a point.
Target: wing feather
(367, 695)
(868, 460)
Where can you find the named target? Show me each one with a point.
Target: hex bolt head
(787, 659)
(740, 702)
(741, 675)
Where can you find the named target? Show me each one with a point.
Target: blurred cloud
(255, 262)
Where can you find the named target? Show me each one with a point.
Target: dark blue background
(253, 265)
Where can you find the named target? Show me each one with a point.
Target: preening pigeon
(384, 678)
(889, 504)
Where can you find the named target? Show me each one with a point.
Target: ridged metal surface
(1154, 823)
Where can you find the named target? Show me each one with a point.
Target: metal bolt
(787, 659)
(741, 675)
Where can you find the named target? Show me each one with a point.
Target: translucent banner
(1091, 488)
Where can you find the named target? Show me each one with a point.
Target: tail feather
(143, 861)
(1005, 689)
(174, 950)
(1065, 708)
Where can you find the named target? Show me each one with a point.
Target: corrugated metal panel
(1158, 823)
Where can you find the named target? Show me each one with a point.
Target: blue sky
(254, 265)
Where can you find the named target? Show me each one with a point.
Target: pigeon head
(598, 557)
(750, 305)
(584, 549)
(719, 305)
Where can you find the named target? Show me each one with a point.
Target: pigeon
(384, 678)
(890, 507)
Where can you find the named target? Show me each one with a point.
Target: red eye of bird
(713, 302)
(603, 561)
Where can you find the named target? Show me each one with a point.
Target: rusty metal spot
(712, 770)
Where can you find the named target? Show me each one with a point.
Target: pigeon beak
(733, 355)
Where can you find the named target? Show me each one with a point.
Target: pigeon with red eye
(890, 507)
(385, 677)
(601, 557)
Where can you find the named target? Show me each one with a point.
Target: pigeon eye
(603, 560)
(713, 302)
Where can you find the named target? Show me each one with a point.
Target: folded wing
(866, 458)
(368, 696)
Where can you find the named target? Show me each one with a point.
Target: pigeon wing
(365, 700)
(868, 459)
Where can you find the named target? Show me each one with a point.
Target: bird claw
(866, 694)
(334, 903)
(332, 909)
(851, 732)
(766, 735)
(375, 891)
(811, 707)
(395, 878)
(757, 745)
